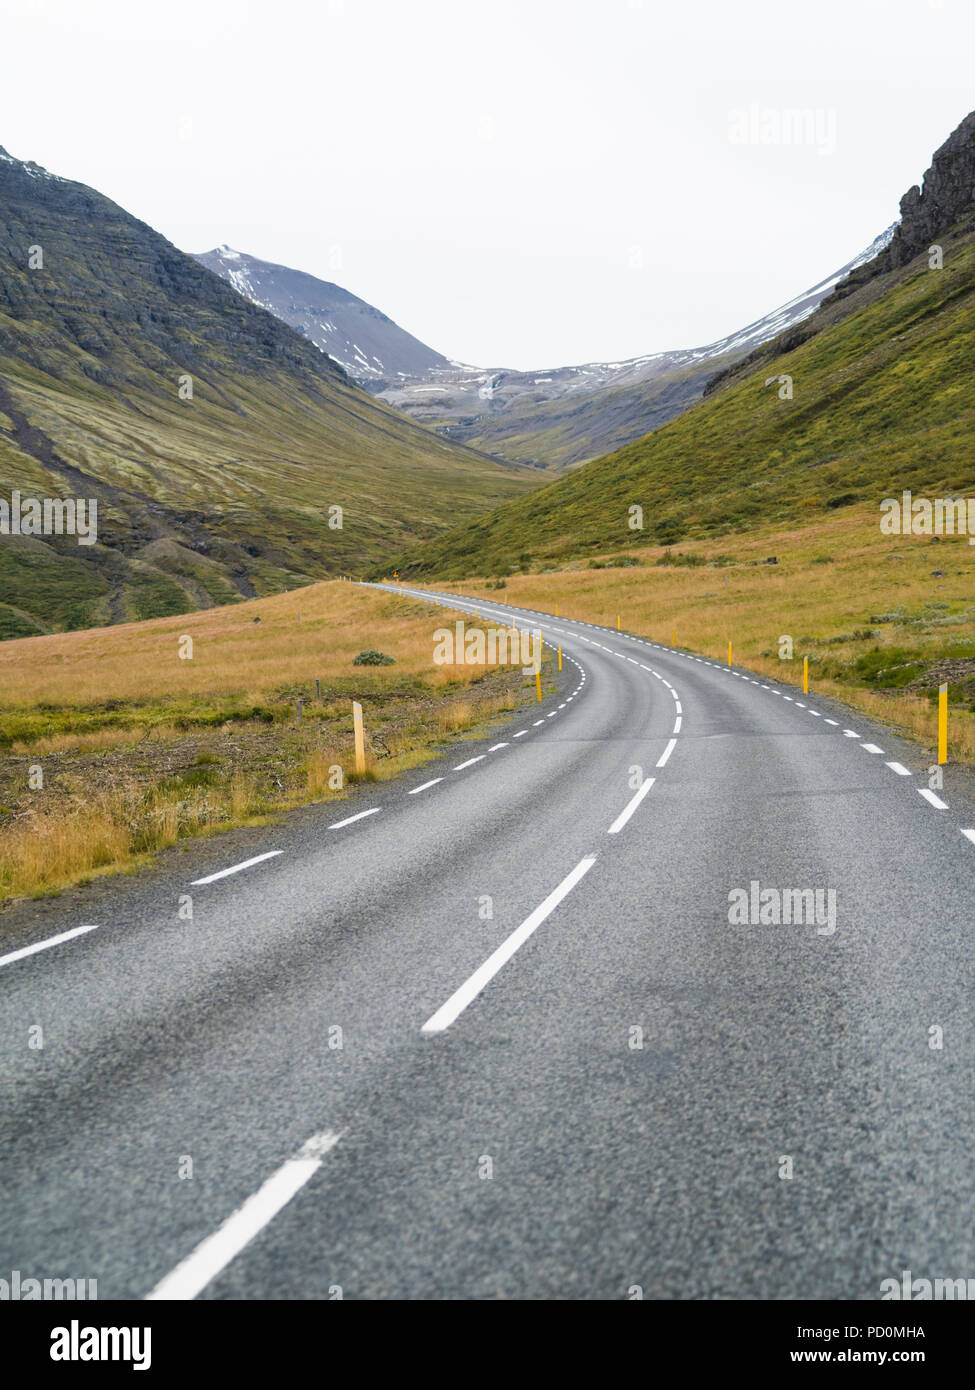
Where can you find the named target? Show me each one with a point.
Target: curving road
(488, 1031)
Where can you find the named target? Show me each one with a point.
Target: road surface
(487, 1031)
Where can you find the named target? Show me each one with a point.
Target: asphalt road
(498, 1037)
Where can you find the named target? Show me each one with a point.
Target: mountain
(553, 419)
(945, 201)
(882, 400)
(214, 438)
(370, 346)
(559, 418)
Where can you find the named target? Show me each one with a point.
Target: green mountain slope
(883, 399)
(104, 328)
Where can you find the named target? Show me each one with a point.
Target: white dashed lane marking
(236, 868)
(46, 945)
(667, 752)
(212, 1255)
(472, 987)
(432, 783)
(630, 807)
(349, 819)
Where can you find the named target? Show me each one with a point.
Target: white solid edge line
(349, 819)
(900, 769)
(216, 1252)
(236, 868)
(470, 762)
(43, 945)
(431, 783)
(630, 806)
(471, 988)
(934, 800)
(667, 752)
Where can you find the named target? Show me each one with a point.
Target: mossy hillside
(131, 374)
(882, 400)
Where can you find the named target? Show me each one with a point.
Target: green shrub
(373, 658)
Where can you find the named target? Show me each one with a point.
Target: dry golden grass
(41, 850)
(831, 577)
(92, 739)
(114, 795)
(232, 654)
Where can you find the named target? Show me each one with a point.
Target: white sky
(523, 184)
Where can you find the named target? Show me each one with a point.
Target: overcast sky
(524, 183)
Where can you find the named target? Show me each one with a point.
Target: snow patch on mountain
(363, 341)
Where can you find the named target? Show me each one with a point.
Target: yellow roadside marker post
(538, 684)
(617, 622)
(360, 742)
(942, 723)
(805, 675)
(560, 658)
(729, 653)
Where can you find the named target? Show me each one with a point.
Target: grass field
(114, 746)
(882, 620)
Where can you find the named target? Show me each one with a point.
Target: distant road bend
(488, 1031)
